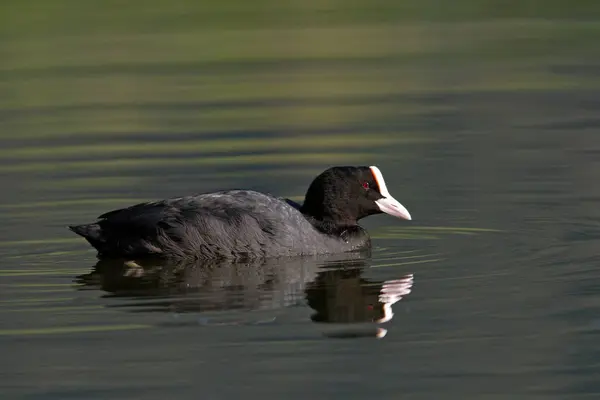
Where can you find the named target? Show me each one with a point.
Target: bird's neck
(326, 215)
(329, 224)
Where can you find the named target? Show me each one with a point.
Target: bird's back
(237, 224)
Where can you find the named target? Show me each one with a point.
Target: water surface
(486, 129)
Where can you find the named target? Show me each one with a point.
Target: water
(484, 127)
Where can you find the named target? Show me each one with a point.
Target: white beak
(388, 204)
(391, 206)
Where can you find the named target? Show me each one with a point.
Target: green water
(482, 116)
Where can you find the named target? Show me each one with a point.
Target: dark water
(487, 131)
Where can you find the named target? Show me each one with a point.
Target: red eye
(366, 185)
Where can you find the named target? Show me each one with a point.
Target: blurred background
(108, 97)
(481, 114)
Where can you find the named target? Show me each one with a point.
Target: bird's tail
(91, 232)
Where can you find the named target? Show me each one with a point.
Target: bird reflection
(345, 303)
(353, 305)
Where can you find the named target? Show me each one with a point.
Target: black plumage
(244, 224)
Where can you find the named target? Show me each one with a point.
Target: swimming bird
(245, 224)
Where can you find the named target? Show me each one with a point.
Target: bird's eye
(365, 185)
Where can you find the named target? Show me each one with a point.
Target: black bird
(244, 224)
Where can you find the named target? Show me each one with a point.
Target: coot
(244, 224)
